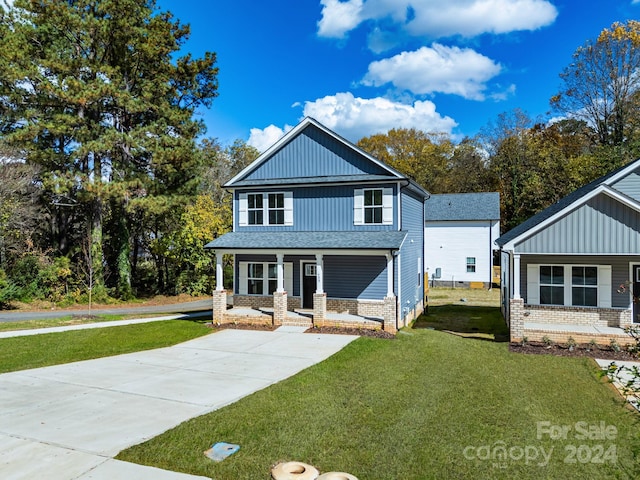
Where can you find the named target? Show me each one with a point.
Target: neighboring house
(323, 228)
(460, 230)
(572, 269)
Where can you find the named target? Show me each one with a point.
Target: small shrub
(615, 346)
(571, 344)
(593, 344)
(547, 341)
(524, 341)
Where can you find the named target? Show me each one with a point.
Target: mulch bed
(363, 332)
(580, 350)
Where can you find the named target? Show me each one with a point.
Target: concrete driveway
(69, 421)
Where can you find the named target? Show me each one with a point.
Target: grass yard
(428, 405)
(66, 320)
(21, 353)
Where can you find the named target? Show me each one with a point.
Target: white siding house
(460, 230)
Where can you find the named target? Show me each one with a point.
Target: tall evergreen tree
(92, 90)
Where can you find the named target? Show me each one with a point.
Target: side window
(471, 264)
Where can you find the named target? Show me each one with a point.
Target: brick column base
(319, 309)
(279, 307)
(219, 306)
(516, 319)
(389, 314)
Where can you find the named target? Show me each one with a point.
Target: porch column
(319, 297)
(219, 272)
(279, 296)
(219, 294)
(390, 308)
(319, 274)
(390, 292)
(280, 272)
(516, 276)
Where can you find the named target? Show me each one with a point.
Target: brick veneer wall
(252, 301)
(556, 336)
(370, 308)
(599, 317)
(340, 305)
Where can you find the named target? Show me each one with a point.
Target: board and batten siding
(314, 154)
(601, 226)
(412, 252)
(619, 271)
(320, 208)
(629, 185)
(449, 243)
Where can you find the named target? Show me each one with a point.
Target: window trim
(243, 209)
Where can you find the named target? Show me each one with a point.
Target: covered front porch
(338, 283)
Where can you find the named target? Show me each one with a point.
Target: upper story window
(265, 208)
(373, 206)
(255, 208)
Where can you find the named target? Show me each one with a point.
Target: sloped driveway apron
(69, 421)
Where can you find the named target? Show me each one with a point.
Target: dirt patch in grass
(580, 350)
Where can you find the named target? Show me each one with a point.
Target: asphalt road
(187, 307)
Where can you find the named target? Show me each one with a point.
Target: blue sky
(365, 66)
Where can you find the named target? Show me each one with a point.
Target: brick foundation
(561, 337)
(516, 319)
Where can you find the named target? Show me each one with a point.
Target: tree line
(108, 188)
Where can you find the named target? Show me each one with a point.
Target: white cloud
(354, 117)
(338, 17)
(262, 139)
(438, 68)
(437, 18)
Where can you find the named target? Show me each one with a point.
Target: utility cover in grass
(221, 450)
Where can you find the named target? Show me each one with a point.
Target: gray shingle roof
(463, 206)
(379, 240)
(557, 207)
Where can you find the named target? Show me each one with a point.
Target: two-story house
(321, 226)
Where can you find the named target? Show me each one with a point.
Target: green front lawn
(20, 353)
(426, 405)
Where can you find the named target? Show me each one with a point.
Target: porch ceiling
(355, 240)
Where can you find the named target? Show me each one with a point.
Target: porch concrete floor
(587, 329)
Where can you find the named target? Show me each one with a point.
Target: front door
(308, 284)
(636, 294)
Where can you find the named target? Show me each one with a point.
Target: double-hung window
(255, 208)
(584, 286)
(551, 285)
(471, 264)
(373, 206)
(274, 208)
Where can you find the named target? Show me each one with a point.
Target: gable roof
(463, 206)
(571, 201)
(364, 167)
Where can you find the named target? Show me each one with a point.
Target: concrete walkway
(68, 421)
